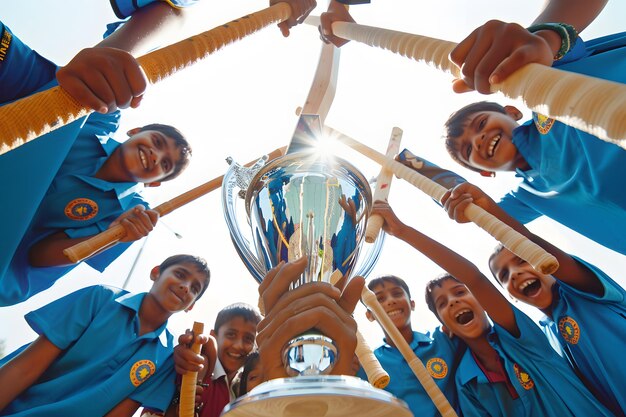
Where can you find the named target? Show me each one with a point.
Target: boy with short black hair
(585, 310)
(235, 330)
(561, 167)
(101, 350)
(438, 352)
(509, 370)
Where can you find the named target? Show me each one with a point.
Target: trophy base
(317, 396)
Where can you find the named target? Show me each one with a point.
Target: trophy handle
(242, 244)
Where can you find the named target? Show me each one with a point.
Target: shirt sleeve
(157, 392)
(63, 321)
(517, 209)
(125, 8)
(613, 292)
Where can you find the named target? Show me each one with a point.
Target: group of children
(108, 351)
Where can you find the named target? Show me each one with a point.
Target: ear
(513, 112)
(488, 174)
(154, 273)
(447, 332)
(369, 315)
(212, 333)
(412, 305)
(152, 184)
(188, 309)
(133, 131)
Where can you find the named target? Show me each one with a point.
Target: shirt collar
(468, 369)
(133, 302)
(418, 339)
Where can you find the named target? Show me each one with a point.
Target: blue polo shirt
(437, 354)
(592, 331)
(78, 204)
(545, 383)
(573, 176)
(104, 361)
(125, 8)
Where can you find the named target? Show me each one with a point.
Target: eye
(481, 123)
(165, 165)
(468, 152)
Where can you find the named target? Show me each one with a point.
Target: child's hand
(392, 226)
(494, 51)
(337, 12)
(456, 200)
(317, 306)
(300, 9)
(185, 360)
(349, 207)
(137, 221)
(104, 79)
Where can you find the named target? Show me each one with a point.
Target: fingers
(103, 79)
(351, 294)
(280, 282)
(300, 9)
(139, 223)
(185, 360)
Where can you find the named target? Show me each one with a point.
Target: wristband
(567, 33)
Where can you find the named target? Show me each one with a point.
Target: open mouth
(143, 158)
(530, 288)
(464, 316)
(493, 143)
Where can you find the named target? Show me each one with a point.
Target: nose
(184, 286)
(478, 141)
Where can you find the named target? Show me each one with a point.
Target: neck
(151, 315)
(406, 332)
(106, 172)
(485, 353)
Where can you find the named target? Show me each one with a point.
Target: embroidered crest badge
(141, 371)
(522, 376)
(569, 330)
(81, 209)
(437, 368)
(542, 123)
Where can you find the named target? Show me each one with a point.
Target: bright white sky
(241, 102)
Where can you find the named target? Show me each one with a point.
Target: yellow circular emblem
(569, 330)
(81, 209)
(522, 376)
(141, 371)
(437, 368)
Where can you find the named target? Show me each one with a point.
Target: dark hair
(243, 310)
(181, 144)
(196, 261)
(392, 279)
(457, 122)
(251, 363)
(430, 286)
(495, 253)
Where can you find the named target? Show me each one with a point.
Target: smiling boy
(567, 175)
(101, 350)
(582, 305)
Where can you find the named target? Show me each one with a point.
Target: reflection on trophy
(306, 204)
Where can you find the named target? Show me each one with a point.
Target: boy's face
(177, 287)
(486, 142)
(235, 340)
(148, 156)
(396, 303)
(459, 310)
(521, 280)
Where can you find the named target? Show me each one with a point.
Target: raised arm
(491, 299)
(497, 49)
(570, 271)
(23, 370)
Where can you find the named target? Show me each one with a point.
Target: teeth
(235, 355)
(493, 143)
(526, 284)
(465, 310)
(144, 160)
(394, 312)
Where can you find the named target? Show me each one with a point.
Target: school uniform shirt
(26, 171)
(219, 392)
(543, 381)
(76, 203)
(125, 8)
(573, 176)
(104, 359)
(437, 354)
(592, 331)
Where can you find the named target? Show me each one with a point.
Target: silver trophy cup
(304, 204)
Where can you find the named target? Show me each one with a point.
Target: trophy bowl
(304, 204)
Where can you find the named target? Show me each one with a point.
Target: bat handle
(95, 244)
(376, 375)
(187, 404)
